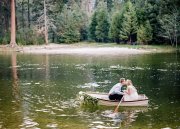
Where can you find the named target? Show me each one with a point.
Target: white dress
(133, 94)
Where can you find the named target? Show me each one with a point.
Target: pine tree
(152, 12)
(144, 33)
(4, 21)
(92, 27)
(141, 11)
(66, 30)
(71, 22)
(116, 25)
(129, 25)
(102, 27)
(81, 20)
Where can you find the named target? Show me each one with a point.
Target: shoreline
(80, 49)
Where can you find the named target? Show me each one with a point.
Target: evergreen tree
(168, 6)
(144, 33)
(4, 21)
(123, 24)
(102, 27)
(152, 13)
(129, 25)
(92, 27)
(67, 32)
(109, 5)
(81, 20)
(71, 23)
(116, 25)
(84, 33)
(141, 7)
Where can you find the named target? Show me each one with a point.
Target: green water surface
(40, 91)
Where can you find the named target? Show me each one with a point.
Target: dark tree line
(4, 20)
(68, 21)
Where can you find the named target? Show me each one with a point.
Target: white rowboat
(103, 99)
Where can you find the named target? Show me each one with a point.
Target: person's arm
(128, 91)
(118, 91)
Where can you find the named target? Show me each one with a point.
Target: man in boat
(116, 91)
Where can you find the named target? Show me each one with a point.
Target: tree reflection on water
(16, 92)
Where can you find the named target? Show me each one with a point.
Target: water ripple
(28, 123)
(89, 85)
(52, 125)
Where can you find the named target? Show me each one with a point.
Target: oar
(116, 109)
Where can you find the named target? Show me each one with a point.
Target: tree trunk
(53, 37)
(175, 31)
(130, 40)
(45, 24)
(29, 22)
(22, 4)
(117, 40)
(13, 25)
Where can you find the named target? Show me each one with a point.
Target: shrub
(28, 36)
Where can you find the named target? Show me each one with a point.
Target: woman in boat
(131, 92)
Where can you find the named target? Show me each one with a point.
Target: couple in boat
(117, 91)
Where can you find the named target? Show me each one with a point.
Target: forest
(102, 21)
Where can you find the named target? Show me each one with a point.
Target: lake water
(40, 91)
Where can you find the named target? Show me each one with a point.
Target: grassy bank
(159, 48)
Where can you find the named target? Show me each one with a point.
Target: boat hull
(104, 100)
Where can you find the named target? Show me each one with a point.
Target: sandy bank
(77, 49)
(69, 49)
